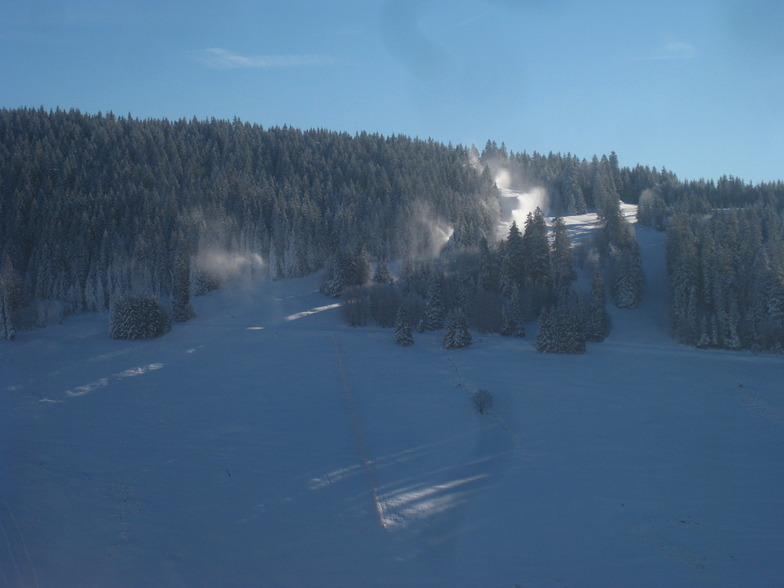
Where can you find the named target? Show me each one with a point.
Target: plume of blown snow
(428, 234)
(516, 196)
(228, 266)
(528, 202)
(516, 204)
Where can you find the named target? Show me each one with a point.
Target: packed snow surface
(267, 444)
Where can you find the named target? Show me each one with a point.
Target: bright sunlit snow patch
(399, 509)
(103, 382)
(332, 477)
(299, 315)
(138, 371)
(87, 388)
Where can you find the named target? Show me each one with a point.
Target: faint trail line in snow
(25, 573)
(658, 534)
(753, 402)
(363, 457)
(463, 384)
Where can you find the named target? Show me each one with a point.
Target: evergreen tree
(10, 300)
(434, 305)
(560, 327)
(488, 268)
(513, 259)
(606, 199)
(536, 247)
(140, 317)
(513, 323)
(456, 334)
(347, 270)
(402, 333)
(181, 285)
(547, 340)
(562, 255)
(382, 275)
(597, 323)
(7, 330)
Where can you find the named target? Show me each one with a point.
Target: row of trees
(575, 185)
(726, 274)
(529, 275)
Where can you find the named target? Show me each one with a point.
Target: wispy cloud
(672, 49)
(224, 59)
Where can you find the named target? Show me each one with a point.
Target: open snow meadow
(266, 443)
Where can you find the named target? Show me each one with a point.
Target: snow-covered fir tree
(560, 327)
(435, 310)
(513, 260)
(597, 321)
(10, 300)
(536, 247)
(181, 285)
(402, 332)
(562, 255)
(629, 281)
(140, 317)
(456, 333)
(7, 330)
(382, 275)
(488, 268)
(347, 269)
(513, 320)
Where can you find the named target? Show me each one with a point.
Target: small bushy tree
(141, 317)
(482, 400)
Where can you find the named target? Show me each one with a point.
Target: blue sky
(695, 86)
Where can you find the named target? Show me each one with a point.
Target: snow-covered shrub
(140, 317)
(483, 401)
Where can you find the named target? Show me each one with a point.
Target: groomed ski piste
(266, 443)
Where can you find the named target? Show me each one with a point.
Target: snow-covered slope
(267, 444)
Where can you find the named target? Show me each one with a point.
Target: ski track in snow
(358, 437)
(21, 572)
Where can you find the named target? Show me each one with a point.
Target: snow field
(227, 453)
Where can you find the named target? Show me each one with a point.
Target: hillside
(266, 443)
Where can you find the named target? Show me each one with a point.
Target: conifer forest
(99, 211)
